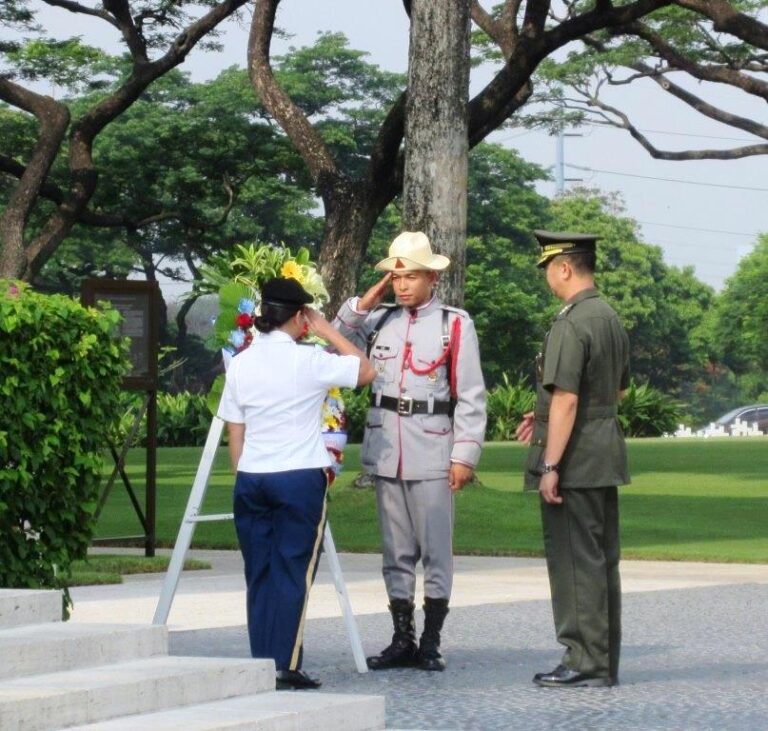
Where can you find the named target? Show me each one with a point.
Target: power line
(675, 134)
(667, 180)
(705, 230)
(514, 137)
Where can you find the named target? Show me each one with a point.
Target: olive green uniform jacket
(586, 352)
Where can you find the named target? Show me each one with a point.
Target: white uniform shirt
(276, 388)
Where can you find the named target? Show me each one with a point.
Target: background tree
(741, 323)
(663, 308)
(509, 302)
(689, 50)
(170, 30)
(710, 42)
(519, 37)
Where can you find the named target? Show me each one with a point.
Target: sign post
(138, 304)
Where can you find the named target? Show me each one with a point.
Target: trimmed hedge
(61, 368)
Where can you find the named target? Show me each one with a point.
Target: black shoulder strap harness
(445, 337)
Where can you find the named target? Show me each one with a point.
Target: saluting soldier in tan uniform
(576, 459)
(423, 435)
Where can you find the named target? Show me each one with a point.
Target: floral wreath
(240, 280)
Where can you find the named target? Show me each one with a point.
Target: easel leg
(188, 523)
(186, 531)
(346, 607)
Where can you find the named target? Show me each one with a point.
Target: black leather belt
(407, 406)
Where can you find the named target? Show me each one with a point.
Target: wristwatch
(546, 467)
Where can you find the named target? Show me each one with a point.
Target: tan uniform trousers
(416, 521)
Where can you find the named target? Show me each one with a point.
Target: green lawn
(110, 568)
(701, 500)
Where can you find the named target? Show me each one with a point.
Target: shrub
(183, 420)
(506, 405)
(62, 368)
(356, 403)
(647, 412)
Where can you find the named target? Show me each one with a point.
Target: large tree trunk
(435, 187)
(350, 214)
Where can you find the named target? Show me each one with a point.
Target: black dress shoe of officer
(562, 677)
(295, 679)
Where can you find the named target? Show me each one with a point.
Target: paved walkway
(695, 643)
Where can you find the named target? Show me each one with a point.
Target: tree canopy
(684, 47)
(663, 308)
(157, 37)
(741, 324)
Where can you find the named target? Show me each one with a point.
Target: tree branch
(387, 147)
(536, 12)
(503, 31)
(53, 120)
(510, 88)
(695, 102)
(294, 123)
(133, 37)
(75, 7)
(600, 17)
(82, 171)
(726, 19)
(710, 154)
(716, 74)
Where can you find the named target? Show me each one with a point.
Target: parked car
(748, 415)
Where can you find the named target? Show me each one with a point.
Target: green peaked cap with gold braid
(554, 243)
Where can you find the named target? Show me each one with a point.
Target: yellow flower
(292, 270)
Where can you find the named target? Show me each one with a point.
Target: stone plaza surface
(695, 652)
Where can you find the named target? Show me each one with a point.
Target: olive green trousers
(581, 541)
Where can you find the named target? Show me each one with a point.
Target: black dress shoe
(296, 680)
(562, 677)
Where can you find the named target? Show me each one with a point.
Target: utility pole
(560, 179)
(560, 163)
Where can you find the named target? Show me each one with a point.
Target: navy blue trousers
(279, 518)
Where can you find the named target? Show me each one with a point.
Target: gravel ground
(692, 659)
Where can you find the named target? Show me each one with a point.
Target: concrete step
(29, 606)
(54, 647)
(59, 700)
(275, 711)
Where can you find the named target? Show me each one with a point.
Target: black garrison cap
(282, 291)
(554, 243)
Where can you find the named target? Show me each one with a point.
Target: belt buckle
(405, 406)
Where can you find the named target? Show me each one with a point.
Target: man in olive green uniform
(577, 457)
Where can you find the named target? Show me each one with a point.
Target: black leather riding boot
(401, 653)
(428, 656)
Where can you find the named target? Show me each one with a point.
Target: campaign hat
(410, 251)
(554, 243)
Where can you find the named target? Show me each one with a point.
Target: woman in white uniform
(272, 402)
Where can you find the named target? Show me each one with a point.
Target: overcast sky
(706, 214)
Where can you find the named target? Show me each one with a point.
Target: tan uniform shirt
(408, 356)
